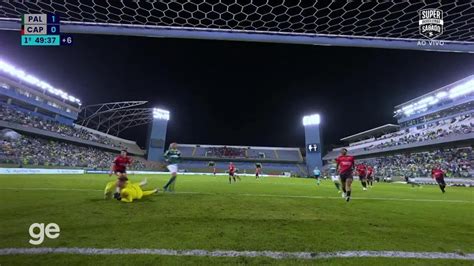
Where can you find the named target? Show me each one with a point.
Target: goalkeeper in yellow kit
(128, 191)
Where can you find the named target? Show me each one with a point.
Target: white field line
(260, 195)
(234, 253)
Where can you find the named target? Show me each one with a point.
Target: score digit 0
(53, 29)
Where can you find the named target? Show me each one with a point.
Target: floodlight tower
(313, 142)
(157, 134)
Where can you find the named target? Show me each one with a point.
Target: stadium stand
(24, 151)
(186, 151)
(29, 120)
(456, 161)
(245, 167)
(27, 151)
(35, 107)
(436, 128)
(13, 115)
(261, 153)
(44, 119)
(293, 155)
(276, 160)
(225, 152)
(240, 152)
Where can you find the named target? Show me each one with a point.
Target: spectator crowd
(16, 116)
(444, 128)
(456, 162)
(225, 152)
(27, 150)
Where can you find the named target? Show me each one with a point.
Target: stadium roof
(113, 118)
(32, 80)
(378, 131)
(448, 92)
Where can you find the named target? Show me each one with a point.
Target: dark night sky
(239, 93)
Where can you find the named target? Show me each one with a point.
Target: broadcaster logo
(430, 25)
(51, 231)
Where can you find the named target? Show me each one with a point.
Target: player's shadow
(144, 199)
(98, 199)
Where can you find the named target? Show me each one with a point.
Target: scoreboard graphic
(43, 30)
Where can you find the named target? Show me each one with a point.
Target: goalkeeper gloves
(117, 196)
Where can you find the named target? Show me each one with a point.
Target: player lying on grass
(116, 185)
(172, 157)
(128, 191)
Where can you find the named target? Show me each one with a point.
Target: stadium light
(161, 114)
(310, 120)
(425, 100)
(30, 79)
(422, 104)
(441, 94)
(462, 89)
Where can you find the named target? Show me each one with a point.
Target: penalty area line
(235, 253)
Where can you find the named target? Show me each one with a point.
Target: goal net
(388, 24)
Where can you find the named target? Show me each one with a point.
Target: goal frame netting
(379, 24)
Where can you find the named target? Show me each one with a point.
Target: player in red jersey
(362, 172)
(119, 165)
(438, 174)
(344, 167)
(233, 173)
(370, 176)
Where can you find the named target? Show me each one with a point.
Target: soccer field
(294, 217)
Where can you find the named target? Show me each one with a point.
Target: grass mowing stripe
(260, 195)
(355, 198)
(234, 253)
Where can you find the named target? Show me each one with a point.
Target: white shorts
(335, 178)
(173, 168)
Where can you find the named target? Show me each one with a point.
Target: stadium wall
(22, 171)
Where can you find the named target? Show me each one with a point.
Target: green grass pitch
(274, 214)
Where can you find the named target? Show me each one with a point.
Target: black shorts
(231, 173)
(370, 177)
(256, 173)
(362, 177)
(120, 171)
(345, 176)
(440, 181)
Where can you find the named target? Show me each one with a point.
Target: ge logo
(51, 230)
